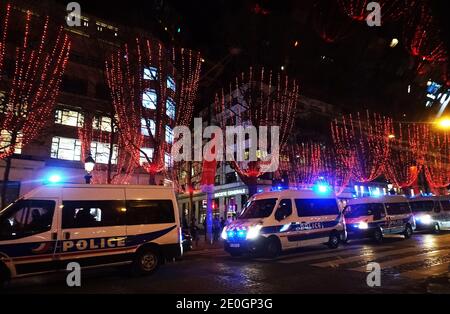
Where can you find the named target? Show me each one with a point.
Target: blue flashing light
(376, 193)
(322, 188)
(241, 234)
(54, 178)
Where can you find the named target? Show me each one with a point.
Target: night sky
(358, 72)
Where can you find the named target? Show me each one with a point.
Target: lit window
(100, 153)
(170, 108)
(149, 152)
(171, 83)
(169, 135)
(146, 127)
(5, 142)
(151, 73)
(168, 160)
(68, 117)
(102, 123)
(66, 148)
(149, 99)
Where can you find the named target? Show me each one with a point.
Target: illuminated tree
(153, 89)
(29, 92)
(407, 153)
(423, 37)
(310, 163)
(115, 160)
(437, 161)
(261, 98)
(365, 141)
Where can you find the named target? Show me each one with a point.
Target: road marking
(311, 257)
(404, 260)
(369, 257)
(433, 270)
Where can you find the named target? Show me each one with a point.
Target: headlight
(253, 232)
(363, 225)
(224, 234)
(425, 219)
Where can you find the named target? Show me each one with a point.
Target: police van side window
(25, 218)
(284, 210)
(150, 212)
(90, 214)
(397, 208)
(445, 205)
(316, 207)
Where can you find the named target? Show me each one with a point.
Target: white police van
(90, 224)
(431, 213)
(376, 217)
(274, 221)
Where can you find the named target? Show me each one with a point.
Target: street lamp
(89, 164)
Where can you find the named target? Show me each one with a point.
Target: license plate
(235, 245)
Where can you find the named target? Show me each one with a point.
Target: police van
(375, 217)
(431, 213)
(93, 225)
(275, 221)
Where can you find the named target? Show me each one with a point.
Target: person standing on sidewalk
(194, 231)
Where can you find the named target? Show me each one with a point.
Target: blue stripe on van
(48, 247)
(297, 226)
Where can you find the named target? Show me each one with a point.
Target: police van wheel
(408, 232)
(378, 236)
(146, 262)
(273, 247)
(333, 241)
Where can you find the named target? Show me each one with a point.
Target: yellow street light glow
(394, 43)
(391, 136)
(444, 123)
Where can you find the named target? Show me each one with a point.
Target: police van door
(28, 230)
(93, 229)
(285, 216)
(397, 215)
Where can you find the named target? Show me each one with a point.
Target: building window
(146, 127)
(169, 135)
(149, 152)
(171, 83)
(66, 148)
(149, 99)
(170, 108)
(230, 178)
(151, 73)
(69, 117)
(5, 142)
(100, 153)
(102, 123)
(168, 160)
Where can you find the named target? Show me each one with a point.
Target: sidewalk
(203, 245)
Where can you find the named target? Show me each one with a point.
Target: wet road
(420, 264)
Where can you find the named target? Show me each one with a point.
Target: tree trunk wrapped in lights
(365, 141)
(407, 153)
(261, 98)
(437, 161)
(119, 160)
(423, 37)
(29, 92)
(153, 89)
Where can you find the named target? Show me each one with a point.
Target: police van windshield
(258, 208)
(422, 206)
(26, 217)
(359, 210)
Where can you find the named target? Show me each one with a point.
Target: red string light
(437, 160)
(329, 22)
(365, 141)
(265, 99)
(125, 71)
(31, 92)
